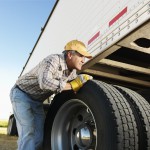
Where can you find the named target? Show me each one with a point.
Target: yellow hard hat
(79, 47)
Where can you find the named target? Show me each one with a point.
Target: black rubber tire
(12, 128)
(46, 107)
(145, 94)
(114, 121)
(141, 111)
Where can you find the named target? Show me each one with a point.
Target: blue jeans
(30, 117)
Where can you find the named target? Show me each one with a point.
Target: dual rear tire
(99, 117)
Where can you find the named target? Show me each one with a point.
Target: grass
(3, 123)
(3, 130)
(3, 126)
(6, 142)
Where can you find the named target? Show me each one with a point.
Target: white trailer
(111, 112)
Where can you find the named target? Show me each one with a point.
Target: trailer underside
(126, 63)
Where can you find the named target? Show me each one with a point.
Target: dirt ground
(7, 142)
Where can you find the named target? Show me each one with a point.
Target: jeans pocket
(12, 93)
(16, 95)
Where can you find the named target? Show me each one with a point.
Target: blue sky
(20, 27)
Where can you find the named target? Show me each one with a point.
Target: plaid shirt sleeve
(49, 77)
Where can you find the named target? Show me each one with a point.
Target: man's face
(75, 61)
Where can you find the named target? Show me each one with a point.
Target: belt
(19, 88)
(16, 86)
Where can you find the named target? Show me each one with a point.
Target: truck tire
(145, 94)
(12, 128)
(46, 107)
(98, 117)
(141, 110)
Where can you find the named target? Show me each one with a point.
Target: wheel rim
(74, 127)
(10, 125)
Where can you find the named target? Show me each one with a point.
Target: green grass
(3, 123)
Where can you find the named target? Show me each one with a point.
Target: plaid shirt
(48, 77)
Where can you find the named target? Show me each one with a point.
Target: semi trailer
(112, 111)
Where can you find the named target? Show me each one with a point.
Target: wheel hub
(83, 136)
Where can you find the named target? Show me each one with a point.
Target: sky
(20, 26)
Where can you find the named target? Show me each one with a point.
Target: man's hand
(78, 82)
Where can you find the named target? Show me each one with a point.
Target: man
(56, 73)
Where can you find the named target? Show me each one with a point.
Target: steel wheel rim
(74, 127)
(10, 125)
